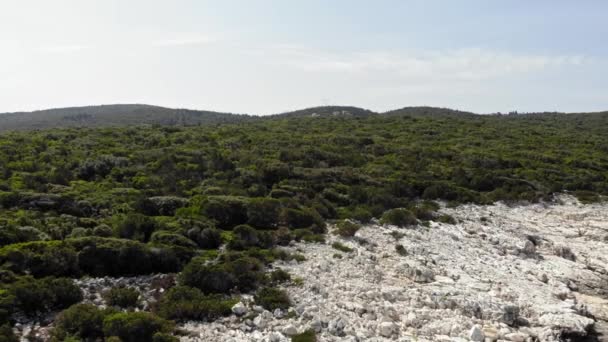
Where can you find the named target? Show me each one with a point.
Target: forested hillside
(112, 115)
(141, 200)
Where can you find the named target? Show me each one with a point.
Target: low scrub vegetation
(346, 228)
(399, 217)
(271, 298)
(132, 201)
(341, 247)
(123, 297)
(307, 336)
(184, 303)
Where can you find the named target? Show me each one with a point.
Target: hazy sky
(271, 56)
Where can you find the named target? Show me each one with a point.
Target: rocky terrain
(521, 273)
(513, 273)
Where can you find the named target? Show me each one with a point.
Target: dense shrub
(135, 326)
(399, 217)
(283, 236)
(445, 218)
(92, 256)
(307, 235)
(100, 167)
(362, 215)
(163, 237)
(206, 238)
(227, 211)
(41, 295)
(161, 205)
(112, 257)
(123, 297)
(281, 193)
(279, 276)
(137, 227)
(103, 230)
(245, 236)
(346, 228)
(401, 250)
(300, 218)
(271, 298)
(84, 321)
(341, 247)
(41, 259)
(162, 337)
(57, 186)
(7, 334)
(243, 273)
(186, 303)
(425, 210)
(12, 234)
(263, 212)
(307, 336)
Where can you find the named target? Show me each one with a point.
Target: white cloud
(68, 48)
(185, 40)
(458, 65)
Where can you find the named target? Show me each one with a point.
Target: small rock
(259, 322)
(278, 313)
(239, 309)
(476, 334)
(290, 330)
(516, 337)
(387, 329)
(275, 336)
(529, 248)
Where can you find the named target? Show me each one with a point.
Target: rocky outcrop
(493, 276)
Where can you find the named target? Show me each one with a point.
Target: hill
(323, 111)
(428, 111)
(112, 115)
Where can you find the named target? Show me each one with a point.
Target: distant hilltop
(142, 114)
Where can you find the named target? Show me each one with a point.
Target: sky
(272, 56)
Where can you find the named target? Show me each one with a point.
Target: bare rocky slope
(521, 273)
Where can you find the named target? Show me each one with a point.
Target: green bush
(346, 228)
(307, 336)
(7, 334)
(401, 250)
(137, 227)
(123, 297)
(362, 215)
(425, 210)
(103, 230)
(271, 298)
(40, 258)
(161, 337)
(186, 303)
(279, 276)
(399, 217)
(448, 219)
(206, 238)
(42, 295)
(135, 326)
(11, 234)
(84, 321)
(300, 218)
(341, 247)
(164, 237)
(283, 236)
(263, 212)
(227, 211)
(246, 237)
(243, 273)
